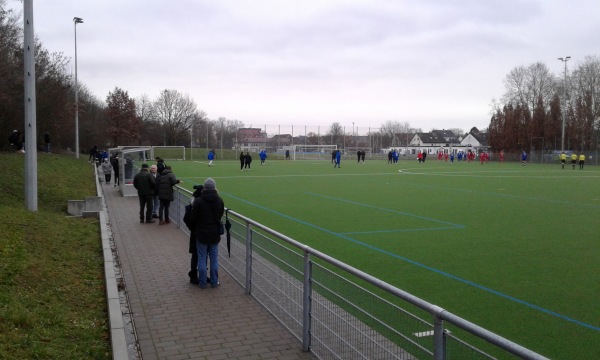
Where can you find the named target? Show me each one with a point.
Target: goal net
(168, 152)
(312, 152)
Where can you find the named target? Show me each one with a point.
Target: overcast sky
(434, 64)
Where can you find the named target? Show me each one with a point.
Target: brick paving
(177, 320)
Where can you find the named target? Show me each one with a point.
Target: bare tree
(530, 86)
(175, 112)
(336, 134)
(585, 90)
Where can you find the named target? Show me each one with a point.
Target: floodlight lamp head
(77, 20)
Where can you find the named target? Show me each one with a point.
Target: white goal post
(312, 152)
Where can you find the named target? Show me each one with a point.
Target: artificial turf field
(512, 248)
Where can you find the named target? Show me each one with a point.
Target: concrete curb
(115, 317)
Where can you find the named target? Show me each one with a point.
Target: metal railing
(339, 312)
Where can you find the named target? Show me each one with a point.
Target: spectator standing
(115, 164)
(207, 212)
(160, 165)
(165, 184)
(192, 249)
(93, 154)
(15, 140)
(156, 201)
(242, 161)
(144, 183)
(47, 142)
(107, 169)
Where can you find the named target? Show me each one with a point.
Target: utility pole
(564, 110)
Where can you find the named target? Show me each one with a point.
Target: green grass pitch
(512, 248)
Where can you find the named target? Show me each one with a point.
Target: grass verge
(52, 292)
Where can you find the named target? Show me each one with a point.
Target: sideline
(427, 267)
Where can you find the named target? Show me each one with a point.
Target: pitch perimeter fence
(339, 312)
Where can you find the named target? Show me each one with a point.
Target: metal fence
(339, 312)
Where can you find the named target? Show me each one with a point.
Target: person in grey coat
(107, 169)
(166, 181)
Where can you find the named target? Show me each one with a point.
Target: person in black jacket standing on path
(165, 183)
(144, 183)
(207, 211)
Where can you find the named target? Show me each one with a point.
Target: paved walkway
(177, 320)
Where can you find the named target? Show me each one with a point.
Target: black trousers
(146, 201)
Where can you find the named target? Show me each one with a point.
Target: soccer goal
(312, 152)
(168, 152)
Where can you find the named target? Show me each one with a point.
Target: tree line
(171, 118)
(533, 108)
(529, 115)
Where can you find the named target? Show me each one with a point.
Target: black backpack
(187, 217)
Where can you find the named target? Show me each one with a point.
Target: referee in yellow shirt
(581, 161)
(573, 160)
(563, 159)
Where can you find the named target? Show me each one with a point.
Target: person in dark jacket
(165, 184)
(247, 160)
(144, 183)
(115, 163)
(193, 273)
(93, 153)
(242, 161)
(47, 142)
(207, 212)
(160, 165)
(154, 172)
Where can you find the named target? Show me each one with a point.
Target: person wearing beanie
(144, 184)
(207, 211)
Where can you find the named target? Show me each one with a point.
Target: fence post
(306, 302)
(248, 258)
(439, 346)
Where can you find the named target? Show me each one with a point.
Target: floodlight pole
(30, 124)
(562, 142)
(76, 20)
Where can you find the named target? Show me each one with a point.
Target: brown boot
(161, 223)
